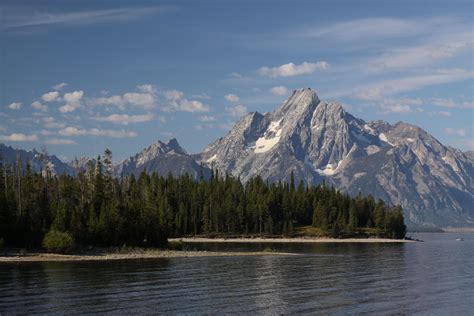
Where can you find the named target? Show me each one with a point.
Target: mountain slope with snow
(162, 158)
(319, 141)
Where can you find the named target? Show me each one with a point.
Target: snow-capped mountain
(318, 140)
(39, 162)
(162, 158)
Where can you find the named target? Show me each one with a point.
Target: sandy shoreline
(290, 240)
(151, 254)
(16, 257)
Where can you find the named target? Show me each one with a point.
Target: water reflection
(430, 277)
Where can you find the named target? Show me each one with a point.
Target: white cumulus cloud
(59, 86)
(237, 111)
(38, 106)
(50, 96)
(14, 106)
(18, 137)
(76, 131)
(125, 118)
(232, 98)
(146, 98)
(73, 101)
(291, 69)
(147, 88)
(50, 122)
(60, 141)
(176, 101)
(279, 90)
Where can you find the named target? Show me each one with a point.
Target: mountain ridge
(318, 141)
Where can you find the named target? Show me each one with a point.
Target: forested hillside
(95, 208)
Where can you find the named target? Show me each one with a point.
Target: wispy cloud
(50, 122)
(454, 131)
(125, 118)
(59, 86)
(444, 113)
(378, 91)
(60, 141)
(207, 118)
(232, 97)
(77, 131)
(21, 18)
(424, 54)
(370, 28)
(279, 90)
(202, 96)
(237, 111)
(450, 103)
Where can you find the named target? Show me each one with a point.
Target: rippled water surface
(434, 277)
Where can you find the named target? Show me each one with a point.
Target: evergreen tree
(96, 208)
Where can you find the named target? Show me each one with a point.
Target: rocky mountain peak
(300, 101)
(329, 111)
(316, 140)
(173, 144)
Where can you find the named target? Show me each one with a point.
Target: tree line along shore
(94, 208)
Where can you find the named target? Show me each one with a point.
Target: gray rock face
(161, 158)
(318, 140)
(38, 162)
(470, 154)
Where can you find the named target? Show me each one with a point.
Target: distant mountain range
(162, 158)
(37, 160)
(319, 141)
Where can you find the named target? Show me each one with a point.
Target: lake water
(433, 277)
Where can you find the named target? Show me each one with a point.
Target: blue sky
(81, 76)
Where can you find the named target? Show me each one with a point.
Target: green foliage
(56, 241)
(394, 225)
(176, 245)
(97, 209)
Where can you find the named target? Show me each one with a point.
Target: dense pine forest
(95, 208)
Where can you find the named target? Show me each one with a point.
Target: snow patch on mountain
(270, 139)
(318, 140)
(372, 149)
(330, 169)
(384, 138)
(211, 159)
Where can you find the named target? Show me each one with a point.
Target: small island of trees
(94, 208)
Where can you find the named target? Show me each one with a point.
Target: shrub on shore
(176, 245)
(56, 241)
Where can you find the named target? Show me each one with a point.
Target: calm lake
(433, 277)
